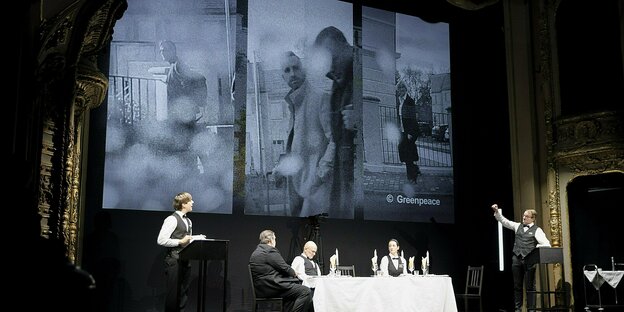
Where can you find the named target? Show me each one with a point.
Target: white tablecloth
(431, 293)
(597, 278)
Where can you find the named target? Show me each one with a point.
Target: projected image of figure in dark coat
(170, 116)
(408, 123)
(186, 96)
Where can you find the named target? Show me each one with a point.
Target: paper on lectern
(198, 237)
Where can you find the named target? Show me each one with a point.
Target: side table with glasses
(597, 277)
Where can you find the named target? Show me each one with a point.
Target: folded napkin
(425, 264)
(410, 263)
(332, 261)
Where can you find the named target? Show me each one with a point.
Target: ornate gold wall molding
(547, 88)
(69, 84)
(592, 143)
(573, 145)
(578, 145)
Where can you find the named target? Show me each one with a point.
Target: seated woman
(393, 264)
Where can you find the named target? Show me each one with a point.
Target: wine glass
(374, 268)
(332, 269)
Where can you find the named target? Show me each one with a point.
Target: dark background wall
(125, 254)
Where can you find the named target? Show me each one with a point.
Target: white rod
(501, 255)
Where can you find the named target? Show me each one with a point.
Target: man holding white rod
(528, 236)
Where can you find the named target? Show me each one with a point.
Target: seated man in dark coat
(273, 277)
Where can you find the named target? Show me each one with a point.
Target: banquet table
(431, 293)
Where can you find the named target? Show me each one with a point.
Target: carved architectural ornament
(584, 145)
(591, 144)
(545, 91)
(69, 85)
(588, 144)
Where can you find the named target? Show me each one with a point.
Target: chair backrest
(346, 270)
(277, 300)
(474, 280)
(253, 288)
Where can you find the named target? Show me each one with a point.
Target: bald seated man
(304, 266)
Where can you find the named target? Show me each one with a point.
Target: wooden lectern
(544, 256)
(203, 251)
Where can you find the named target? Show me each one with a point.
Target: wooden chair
(346, 270)
(270, 302)
(474, 280)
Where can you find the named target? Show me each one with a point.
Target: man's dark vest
(392, 270)
(179, 233)
(310, 268)
(525, 241)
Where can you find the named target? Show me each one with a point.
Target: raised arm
(506, 223)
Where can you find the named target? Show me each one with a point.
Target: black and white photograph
(299, 114)
(316, 155)
(408, 168)
(170, 108)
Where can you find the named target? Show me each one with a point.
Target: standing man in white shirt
(528, 237)
(175, 234)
